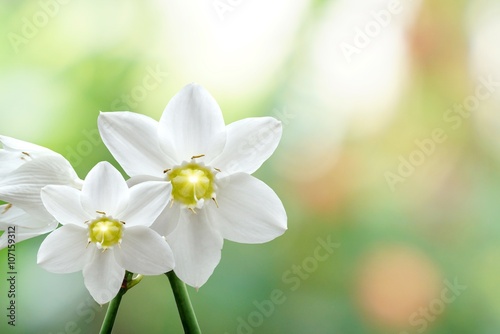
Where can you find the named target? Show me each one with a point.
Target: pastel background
(389, 165)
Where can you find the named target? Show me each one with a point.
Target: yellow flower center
(192, 184)
(105, 232)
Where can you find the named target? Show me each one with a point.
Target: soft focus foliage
(389, 165)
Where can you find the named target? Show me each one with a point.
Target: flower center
(105, 232)
(192, 184)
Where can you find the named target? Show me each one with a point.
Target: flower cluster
(190, 188)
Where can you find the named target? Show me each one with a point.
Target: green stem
(109, 319)
(184, 306)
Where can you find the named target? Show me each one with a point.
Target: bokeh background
(390, 153)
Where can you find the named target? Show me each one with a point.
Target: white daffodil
(26, 168)
(208, 165)
(106, 231)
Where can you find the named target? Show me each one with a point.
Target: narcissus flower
(106, 231)
(208, 165)
(26, 168)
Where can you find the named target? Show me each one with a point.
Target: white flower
(25, 169)
(105, 231)
(214, 197)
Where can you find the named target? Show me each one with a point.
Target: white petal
(250, 142)
(22, 186)
(16, 152)
(64, 250)
(22, 233)
(196, 246)
(147, 201)
(142, 178)
(13, 144)
(249, 210)
(41, 172)
(143, 251)
(26, 197)
(104, 190)
(103, 276)
(10, 162)
(132, 139)
(13, 216)
(64, 204)
(192, 124)
(167, 221)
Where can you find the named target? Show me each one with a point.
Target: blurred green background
(390, 152)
